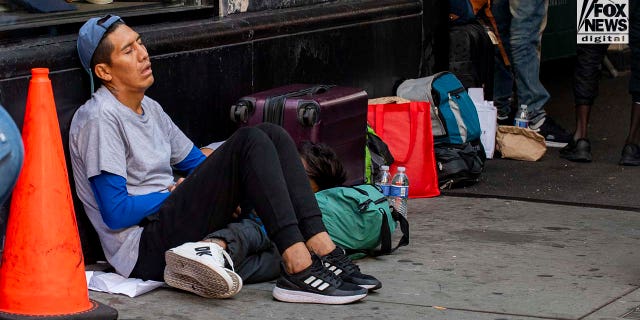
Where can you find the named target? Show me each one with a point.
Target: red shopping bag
(406, 129)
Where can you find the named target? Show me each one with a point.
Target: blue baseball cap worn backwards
(90, 35)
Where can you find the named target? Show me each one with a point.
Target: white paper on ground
(488, 115)
(115, 283)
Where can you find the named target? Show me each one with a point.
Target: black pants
(589, 64)
(258, 165)
(588, 72)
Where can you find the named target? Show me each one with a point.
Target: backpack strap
(385, 234)
(494, 27)
(437, 125)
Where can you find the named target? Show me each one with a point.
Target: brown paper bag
(387, 100)
(520, 143)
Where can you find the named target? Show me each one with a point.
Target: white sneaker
(199, 267)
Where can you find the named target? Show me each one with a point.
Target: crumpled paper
(115, 283)
(520, 143)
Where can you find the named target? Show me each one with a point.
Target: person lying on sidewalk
(322, 165)
(255, 257)
(123, 149)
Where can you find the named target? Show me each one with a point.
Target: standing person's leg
(586, 81)
(502, 75)
(631, 151)
(527, 23)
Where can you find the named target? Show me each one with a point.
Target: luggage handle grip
(320, 89)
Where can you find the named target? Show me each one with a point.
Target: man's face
(130, 67)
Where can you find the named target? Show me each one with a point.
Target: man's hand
(206, 151)
(236, 213)
(175, 185)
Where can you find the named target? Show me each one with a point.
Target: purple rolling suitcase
(333, 115)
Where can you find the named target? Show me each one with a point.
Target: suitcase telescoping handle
(307, 115)
(321, 88)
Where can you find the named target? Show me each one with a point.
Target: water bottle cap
(523, 106)
(384, 168)
(401, 169)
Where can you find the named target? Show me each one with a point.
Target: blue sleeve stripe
(193, 159)
(118, 208)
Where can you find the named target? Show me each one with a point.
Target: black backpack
(377, 154)
(459, 165)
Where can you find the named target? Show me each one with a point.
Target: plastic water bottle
(522, 119)
(383, 180)
(399, 191)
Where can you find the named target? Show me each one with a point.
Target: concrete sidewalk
(468, 259)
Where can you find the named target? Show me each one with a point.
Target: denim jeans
(11, 154)
(520, 23)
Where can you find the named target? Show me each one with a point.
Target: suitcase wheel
(241, 111)
(308, 114)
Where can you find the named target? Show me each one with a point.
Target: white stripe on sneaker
(311, 297)
(333, 268)
(316, 283)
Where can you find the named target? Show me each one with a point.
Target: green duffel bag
(360, 220)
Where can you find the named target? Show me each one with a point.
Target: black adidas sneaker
(338, 262)
(316, 284)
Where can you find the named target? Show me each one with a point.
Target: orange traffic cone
(42, 272)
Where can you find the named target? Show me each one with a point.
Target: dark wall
(436, 37)
(201, 67)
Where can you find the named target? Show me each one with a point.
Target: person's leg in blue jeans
(520, 23)
(528, 20)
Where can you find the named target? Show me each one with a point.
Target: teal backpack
(359, 219)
